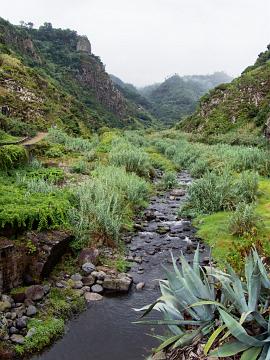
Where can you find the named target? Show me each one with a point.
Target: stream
(105, 331)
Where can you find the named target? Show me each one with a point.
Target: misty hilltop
(173, 99)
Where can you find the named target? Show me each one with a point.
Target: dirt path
(40, 136)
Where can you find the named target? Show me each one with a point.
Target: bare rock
(97, 288)
(89, 255)
(119, 284)
(92, 297)
(140, 286)
(88, 268)
(35, 292)
(17, 339)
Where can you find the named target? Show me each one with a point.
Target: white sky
(144, 41)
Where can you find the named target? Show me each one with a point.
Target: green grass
(214, 230)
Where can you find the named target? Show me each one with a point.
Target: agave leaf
(254, 288)
(264, 353)
(238, 331)
(168, 342)
(196, 261)
(264, 274)
(208, 302)
(251, 354)
(229, 349)
(170, 322)
(186, 339)
(212, 339)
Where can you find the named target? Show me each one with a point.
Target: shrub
(12, 156)
(132, 158)
(168, 181)
(244, 221)
(80, 167)
(55, 151)
(215, 192)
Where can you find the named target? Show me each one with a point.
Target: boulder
(117, 284)
(35, 292)
(89, 255)
(88, 280)
(178, 192)
(97, 288)
(31, 310)
(88, 268)
(4, 306)
(17, 339)
(21, 323)
(77, 284)
(92, 297)
(76, 277)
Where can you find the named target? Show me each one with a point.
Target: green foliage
(46, 331)
(132, 158)
(80, 167)
(105, 204)
(214, 192)
(168, 181)
(12, 156)
(55, 151)
(244, 221)
(62, 303)
(21, 208)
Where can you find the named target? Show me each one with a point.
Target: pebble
(140, 286)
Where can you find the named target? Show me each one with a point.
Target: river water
(105, 331)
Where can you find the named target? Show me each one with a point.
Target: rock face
(83, 45)
(17, 265)
(89, 255)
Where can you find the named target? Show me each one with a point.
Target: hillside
(50, 77)
(177, 96)
(241, 106)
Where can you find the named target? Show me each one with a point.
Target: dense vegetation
(236, 110)
(45, 79)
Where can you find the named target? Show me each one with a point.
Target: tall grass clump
(36, 185)
(168, 180)
(133, 188)
(216, 192)
(132, 158)
(244, 221)
(77, 144)
(251, 159)
(105, 205)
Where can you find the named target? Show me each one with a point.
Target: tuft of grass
(244, 221)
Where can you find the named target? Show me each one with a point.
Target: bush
(214, 192)
(168, 181)
(80, 167)
(133, 159)
(105, 204)
(12, 156)
(244, 221)
(55, 151)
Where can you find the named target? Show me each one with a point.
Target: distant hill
(178, 96)
(243, 104)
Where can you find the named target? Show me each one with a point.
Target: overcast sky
(144, 41)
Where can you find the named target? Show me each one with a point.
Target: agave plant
(181, 303)
(228, 312)
(249, 322)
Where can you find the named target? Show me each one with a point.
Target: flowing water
(105, 331)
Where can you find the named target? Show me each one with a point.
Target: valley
(134, 222)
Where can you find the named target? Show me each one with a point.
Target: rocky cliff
(243, 104)
(50, 76)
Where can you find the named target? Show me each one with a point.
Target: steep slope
(49, 76)
(241, 105)
(177, 96)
